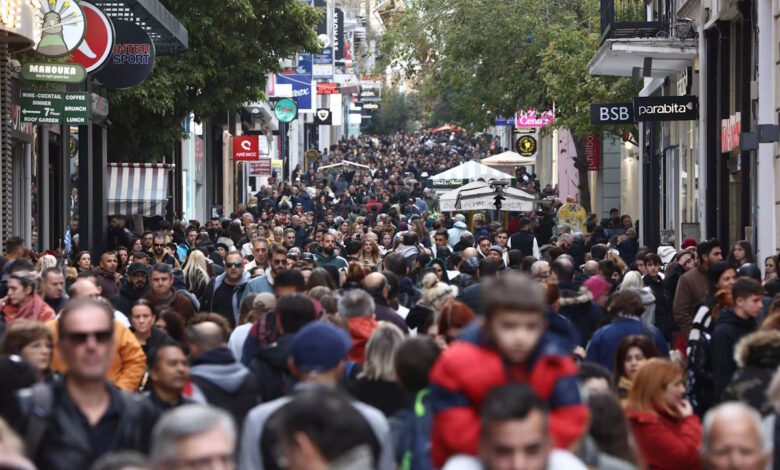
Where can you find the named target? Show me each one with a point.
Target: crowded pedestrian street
(389, 235)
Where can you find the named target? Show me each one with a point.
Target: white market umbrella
(508, 158)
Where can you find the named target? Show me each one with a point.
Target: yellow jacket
(128, 364)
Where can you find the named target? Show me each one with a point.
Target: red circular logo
(98, 41)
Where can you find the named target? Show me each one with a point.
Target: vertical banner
(338, 34)
(592, 145)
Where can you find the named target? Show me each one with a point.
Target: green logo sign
(286, 110)
(52, 107)
(60, 73)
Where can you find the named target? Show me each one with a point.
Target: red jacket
(665, 442)
(465, 373)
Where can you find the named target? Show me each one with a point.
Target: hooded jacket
(219, 380)
(456, 231)
(665, 442)
(578, 306)
(728, 330)
(332, 260)
(207, 302)
(467, 370)
(270, 367)
(127, 296)
(758, 357)
(360, 329)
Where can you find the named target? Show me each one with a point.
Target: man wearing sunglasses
(161, 255)
(69, 423)
(225, 292)
(265, 283)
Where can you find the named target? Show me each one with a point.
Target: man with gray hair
(540, 270)
(733, 439)
(194, 436)
(357, 306)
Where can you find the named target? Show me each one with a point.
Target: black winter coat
(728, 330)
(270, 367)
(758, 357)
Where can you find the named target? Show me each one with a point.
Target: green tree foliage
(397, 113)
(233, 44)
(483, 58)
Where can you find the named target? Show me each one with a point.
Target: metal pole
(27, 196)
(44, 231)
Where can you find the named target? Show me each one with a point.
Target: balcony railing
(629, 19)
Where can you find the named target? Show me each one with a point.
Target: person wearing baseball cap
(131, 288)
(319, 354)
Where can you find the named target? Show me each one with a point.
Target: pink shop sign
(533, 118)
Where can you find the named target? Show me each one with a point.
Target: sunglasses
(280, 261)
(159, 244)
(103, 336)
(233, 265)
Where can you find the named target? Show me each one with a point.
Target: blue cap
(320, 346)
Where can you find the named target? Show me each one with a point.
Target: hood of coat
(581, 296)
(760, 349)
(218, 367)
(666, 253)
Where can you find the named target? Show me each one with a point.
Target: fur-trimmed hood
(582, 296)
(759, 349)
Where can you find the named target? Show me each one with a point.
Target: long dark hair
(749, 256)
(643, 342)
(609, 427)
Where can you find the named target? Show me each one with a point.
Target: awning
(479, 195)
(137, 188)
(619, 57)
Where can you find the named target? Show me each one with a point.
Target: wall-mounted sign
(371, 94)
(302, 89)
(62, 29)
(501, 121)
(593, 151)
(323, 117)
(371, 106)
(325, 88)
(133, 57)
(95, 49)
(60, 73)
(286, 110)
(612, 113)
(666, 108)
(246, 148)
(729, 132)
(262, 167)
(526, 146)
(53, 107)
(533, 118)
(338, 34)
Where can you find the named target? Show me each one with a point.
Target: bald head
(82, 289)
(591, 267)
(376, 285)
(470, 252)
(205, 336)
(733, 439)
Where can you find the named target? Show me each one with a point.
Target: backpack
(701, 388)
(413, 446)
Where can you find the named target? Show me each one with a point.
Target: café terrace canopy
(479, 195)
(508, 158)
(471, 171)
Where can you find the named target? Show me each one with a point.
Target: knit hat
(689, 243)
(597, 285)
(497, 249)
(460, 218)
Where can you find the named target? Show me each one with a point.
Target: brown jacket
(175, 301)
(691, 289)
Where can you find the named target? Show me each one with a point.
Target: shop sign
(95, 49)
(323, 117)
(99, 105)
(62, 27)
(526, 146)
(371, 106)
(729, 132)
(612, 113)
(593, 151)
(302, 89)
(326, 88)
(666, 108)
(304, 64)
(261, 167)
(47, 107)
(286, 110)
(532, 118)
(371, 94)
(59, 73)
(338, 34)
(133, 57)
(322, 64)
(246, 148)
(501, 121)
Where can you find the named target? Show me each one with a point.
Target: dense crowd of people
(339, 321)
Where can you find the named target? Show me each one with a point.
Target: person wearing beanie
(689, 243)
(626, 308)
(458, 228)
(318, 356)
(599, 287)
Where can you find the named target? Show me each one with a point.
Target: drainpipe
(701, 205)
(766, 104)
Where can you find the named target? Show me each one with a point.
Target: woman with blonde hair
(667, 432)
(369, 255)
(426, 310)
(376, 384)
(196, 273)
(45, 262)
